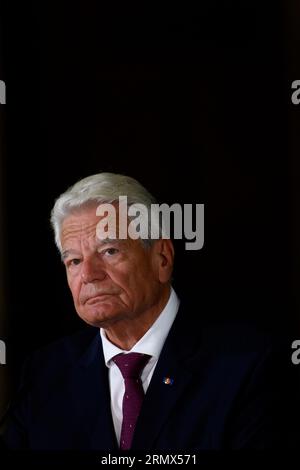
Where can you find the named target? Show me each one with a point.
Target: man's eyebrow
(66, 253)
(105, 241)
(116, 242)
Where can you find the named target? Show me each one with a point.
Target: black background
(194, 103)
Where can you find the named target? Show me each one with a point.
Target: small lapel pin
(168, 381)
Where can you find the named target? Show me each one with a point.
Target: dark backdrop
(194, 104)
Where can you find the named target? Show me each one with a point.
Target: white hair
(100, 188)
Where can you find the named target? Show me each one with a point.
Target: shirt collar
(153, 340)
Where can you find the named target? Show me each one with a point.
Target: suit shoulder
(63, 352)
(238, 337)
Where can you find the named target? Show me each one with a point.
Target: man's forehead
(77, 222)
(73, 228)
(85, 224)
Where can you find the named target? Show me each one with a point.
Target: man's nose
(92, 270)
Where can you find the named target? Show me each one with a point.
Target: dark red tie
(131, 366)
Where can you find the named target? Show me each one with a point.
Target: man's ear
(164, 256)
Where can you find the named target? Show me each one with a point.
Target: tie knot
(131, 364)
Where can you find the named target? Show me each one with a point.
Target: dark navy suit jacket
(228, 392)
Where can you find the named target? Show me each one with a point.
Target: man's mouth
(96, 298)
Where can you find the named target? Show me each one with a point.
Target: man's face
(115, 280)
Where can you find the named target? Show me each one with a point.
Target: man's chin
(100, 318)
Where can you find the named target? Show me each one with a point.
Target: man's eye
(74, 262)
(111, 251)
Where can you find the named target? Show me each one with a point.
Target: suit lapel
(93, 400)
(174, 363)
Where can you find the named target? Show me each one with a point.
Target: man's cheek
(75, 291)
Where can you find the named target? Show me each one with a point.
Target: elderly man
(145, 374)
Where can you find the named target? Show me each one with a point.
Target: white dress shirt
(151, 343)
